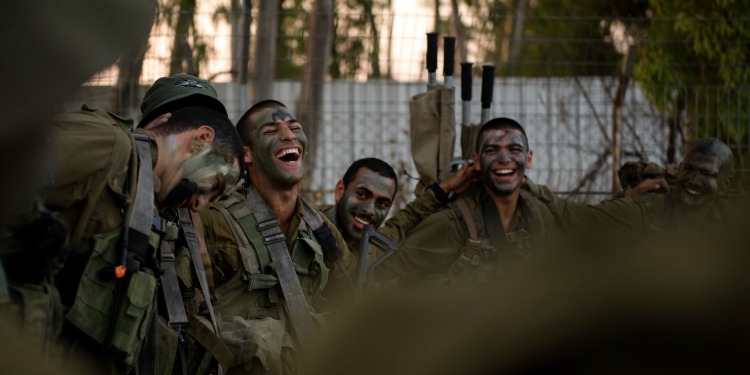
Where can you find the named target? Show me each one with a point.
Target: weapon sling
(274, 239)
(216, 348)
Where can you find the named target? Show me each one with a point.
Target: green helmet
(177, 91)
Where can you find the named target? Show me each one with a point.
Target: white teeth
(287, 151)
(502, 171)
(692, 192)
(362, 221)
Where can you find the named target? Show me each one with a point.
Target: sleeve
(340, 287)
(623, 217)
(429, 248)
(408, 217)
(220, 243)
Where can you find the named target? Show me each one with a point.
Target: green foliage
(693, 65)
(294, 22)
(189, 50)
(355, 50)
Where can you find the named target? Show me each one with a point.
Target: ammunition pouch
(114, 313)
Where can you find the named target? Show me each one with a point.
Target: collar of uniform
(294, 224)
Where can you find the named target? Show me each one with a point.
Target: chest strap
(273, 238)
(195, 253)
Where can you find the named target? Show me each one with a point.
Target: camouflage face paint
(699, 180)
(366, 201)
(205, 169)
(503, 159)
(279, 146)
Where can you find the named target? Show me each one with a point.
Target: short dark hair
(499, 123)
(226, 140)
(713, 147)
(245, 127)
(374, 164)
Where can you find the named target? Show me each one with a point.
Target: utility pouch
(132, 319)
(114, 313)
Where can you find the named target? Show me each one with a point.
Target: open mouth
(692, 191)
(504, 173)
(289, 155)
(361, 220)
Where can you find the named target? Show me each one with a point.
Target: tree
(692, 61)
(188, 50)
(313, 77)
(264, 63)
(125, 98)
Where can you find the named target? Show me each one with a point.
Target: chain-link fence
(575, 83)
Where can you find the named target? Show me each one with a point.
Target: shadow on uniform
(668, 305)
(50, 48)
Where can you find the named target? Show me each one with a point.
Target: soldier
(697, 198)
(489, 228)
(271, 253)
(90, 236)
(365, 194)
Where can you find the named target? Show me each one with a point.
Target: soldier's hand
(649, 185)
(158, 121)
(461, 180)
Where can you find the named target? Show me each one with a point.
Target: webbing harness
(274, 239)
(208, 341)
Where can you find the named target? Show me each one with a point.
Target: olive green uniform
(630, 219)
(397, 227)
(90, 189)
(249, 299)
(441, 245)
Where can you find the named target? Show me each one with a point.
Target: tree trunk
(238, 40)
(265, 49)
(182, 52)
(617, 116)
(125, 98)
(460, 36)
(313, 78)
(375, 35)
(674, 128)
(519, 14)
(437, 16)
(244, 60)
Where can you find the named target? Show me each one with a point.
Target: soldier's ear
(528, 161)
(248, 155)
(205, 134)
(475, 158)
(338, 192)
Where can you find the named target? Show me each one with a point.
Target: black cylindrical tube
(432, 50)
(449, 53)
(488, 83)
(466, 80)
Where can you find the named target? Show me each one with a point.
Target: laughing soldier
(490, 228)
(271, 253)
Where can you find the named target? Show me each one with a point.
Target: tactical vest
(479, 260)
(117, 311)
(250, 303)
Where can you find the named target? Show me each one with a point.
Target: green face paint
(366, 201)
(211, 172)
(503, 157)
(279, 145)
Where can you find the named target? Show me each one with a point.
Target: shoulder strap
(195, 253)
(468, 218)
(273, 238)
(322, 233)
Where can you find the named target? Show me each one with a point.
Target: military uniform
(632, 219)
(249, 299)
(397, 226)
(468, 244)
(93, 184)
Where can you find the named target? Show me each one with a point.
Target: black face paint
(184, 189)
